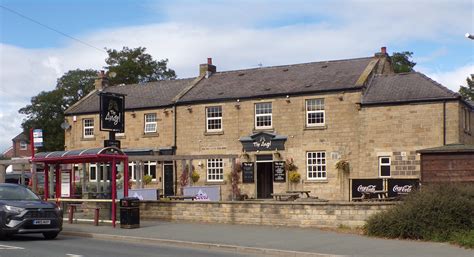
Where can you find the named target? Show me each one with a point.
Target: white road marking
(9, 247)
(74, 255)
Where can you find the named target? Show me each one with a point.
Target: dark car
(23, 212)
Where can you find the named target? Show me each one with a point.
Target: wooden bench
(302, 192)
(73, 207)
(378, 195)
(286, 196)
(182, 197)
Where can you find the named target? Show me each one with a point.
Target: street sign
(38, 137)
(108, 143)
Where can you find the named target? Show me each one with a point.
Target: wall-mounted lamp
(288, 99)
(189, 108)
(200, 164)
(133, 114)
(277, 154)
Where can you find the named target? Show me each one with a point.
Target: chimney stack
(102, 81)
(207, 69)
(383, 49)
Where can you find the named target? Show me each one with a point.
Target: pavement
(266, 240)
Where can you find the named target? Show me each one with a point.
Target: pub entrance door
(168, 178)
(264, 176)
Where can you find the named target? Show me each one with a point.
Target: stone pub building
(310, 116)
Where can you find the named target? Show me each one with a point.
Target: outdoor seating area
(293, 195)
(182, 197)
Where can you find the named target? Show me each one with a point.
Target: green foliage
(147, 179)
(195, 176)
(465, 238)
(401, 62)
(468, 91)
(294, 176)
(436, 213)
(134, 66)
(46, 110)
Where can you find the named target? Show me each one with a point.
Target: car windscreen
(17, 193)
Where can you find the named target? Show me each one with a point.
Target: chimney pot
(383, 49)
(207, 69)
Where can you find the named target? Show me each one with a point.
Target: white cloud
(452, 79)
(239, 35)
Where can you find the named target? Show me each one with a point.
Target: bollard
(96, 217)
(70, 213)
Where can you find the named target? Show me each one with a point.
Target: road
(66, 246)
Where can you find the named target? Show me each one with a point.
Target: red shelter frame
(110, 155)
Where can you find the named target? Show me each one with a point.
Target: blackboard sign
(112, 110)
(247, 172)
(365, 185)
(403, 186)
(279, 172)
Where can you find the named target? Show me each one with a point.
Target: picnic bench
(377, 195)
(182, 197)
(302, 192)
(285, 196)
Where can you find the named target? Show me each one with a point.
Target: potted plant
(195, 176)
(294, 176)
(147, 179)
(343, 166)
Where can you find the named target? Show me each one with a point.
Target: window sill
(256, 130)
(322, 181)
(319, 127)
(213, 133)
(88, 138)
(153, 134)
(209, 183)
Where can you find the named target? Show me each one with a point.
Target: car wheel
(50, 235)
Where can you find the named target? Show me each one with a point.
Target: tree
(401, 62)
(46, 110)
(133, 66)
(468, 92)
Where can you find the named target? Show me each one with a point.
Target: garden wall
(295, 214)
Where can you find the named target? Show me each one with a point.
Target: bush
(436, 213)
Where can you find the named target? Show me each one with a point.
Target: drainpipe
(444, 122)
(174, 126)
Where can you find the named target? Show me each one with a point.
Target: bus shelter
(110, 155)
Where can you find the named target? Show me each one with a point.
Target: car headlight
(13, 209)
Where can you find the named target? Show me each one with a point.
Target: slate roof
(279, 80)
(405, 87)
(451, 148)
(20, 137)
(138, 96)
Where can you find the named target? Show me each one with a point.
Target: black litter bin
(129, 212)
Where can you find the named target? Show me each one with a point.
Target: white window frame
(149, 164)
(97, 169)
(132, 168)
(264, 115)
(23, 145)
(88, 128)
(318, 108)
(385, 164)
(215, 170)
(93, 165)
(150, 122)
(316, 164)
(213, 119)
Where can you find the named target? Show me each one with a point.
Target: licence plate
(41, 222)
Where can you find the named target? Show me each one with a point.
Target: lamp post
(469, 36)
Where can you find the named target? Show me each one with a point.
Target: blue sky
(237, 34)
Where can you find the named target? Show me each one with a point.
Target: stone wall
(295, 214)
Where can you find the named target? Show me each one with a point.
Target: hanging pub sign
(263, 141)
(401, 186)
(279, 172)
(365, 185)
(112, 112)
(247, 172)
